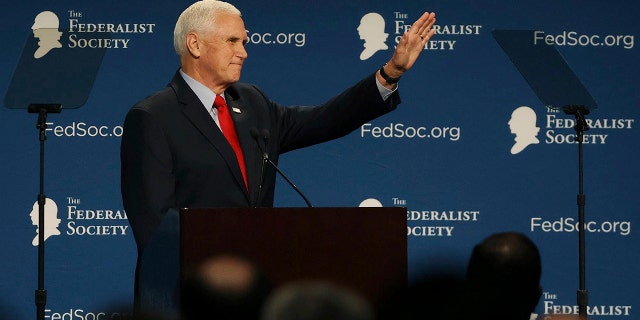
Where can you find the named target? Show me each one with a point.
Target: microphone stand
(581, 126)
(42, 110)
(265, 157)
(264, 135)
(289, 181)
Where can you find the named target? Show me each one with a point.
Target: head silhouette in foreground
(503, 277)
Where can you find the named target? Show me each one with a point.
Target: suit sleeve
(304, 126)
(147, 182)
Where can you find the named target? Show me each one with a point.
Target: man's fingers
(424, 24)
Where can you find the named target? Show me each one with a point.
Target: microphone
(262, 141)
(262, 137)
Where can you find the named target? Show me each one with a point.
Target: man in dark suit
(173, 153)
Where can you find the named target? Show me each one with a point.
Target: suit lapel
(241, 116)
(202, 121)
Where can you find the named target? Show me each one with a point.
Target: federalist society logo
(557, 128)
(374, 29)
(551, 305)
(431, 222)
(51, 220)
(79, 220)
(61, 42)
(46, 28)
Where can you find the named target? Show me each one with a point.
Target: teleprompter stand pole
(42, 110)
(581, 126)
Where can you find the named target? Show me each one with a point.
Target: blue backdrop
(445, 154)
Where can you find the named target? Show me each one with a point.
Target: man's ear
(193, 44)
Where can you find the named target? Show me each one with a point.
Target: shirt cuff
(384, 91)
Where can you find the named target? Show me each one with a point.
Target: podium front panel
(361, 248)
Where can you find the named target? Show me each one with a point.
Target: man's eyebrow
(236, 39)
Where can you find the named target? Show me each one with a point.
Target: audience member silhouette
(316, 300)
(224, 287)
(503, 278)
(433, 296)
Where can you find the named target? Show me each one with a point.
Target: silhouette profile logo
(51, 221)
(371, 30)
(523, 125)
(45, 28)
(370, 203)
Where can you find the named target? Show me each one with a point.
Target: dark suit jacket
(174, 156)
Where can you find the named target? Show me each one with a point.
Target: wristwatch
(387, 78)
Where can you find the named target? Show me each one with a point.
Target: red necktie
(229, 131)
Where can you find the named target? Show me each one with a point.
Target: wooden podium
(364, 249)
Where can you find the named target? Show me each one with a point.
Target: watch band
(387, 78)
